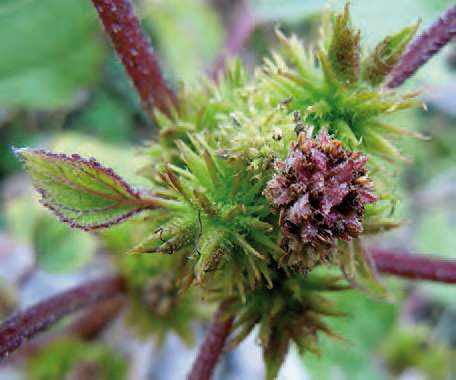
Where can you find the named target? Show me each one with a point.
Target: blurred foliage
(364, 329)
(413, 347)
(71, 359)
(156, 306)
(292, 11)
(188, 34)
(47, 60)
(105, 110)
(57, 247)
(433, 157)
(436, 235)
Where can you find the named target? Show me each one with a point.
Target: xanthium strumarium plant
(259, 189)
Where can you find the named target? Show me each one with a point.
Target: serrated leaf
(122, 158)
(82, 192)
(49, 52)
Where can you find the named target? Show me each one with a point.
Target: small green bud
(386, 54)
(344, 50)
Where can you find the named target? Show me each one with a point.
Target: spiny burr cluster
(319, 191)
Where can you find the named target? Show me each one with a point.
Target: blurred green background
(62, 87)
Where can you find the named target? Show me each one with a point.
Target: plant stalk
(137, 55)
(24, 325)
(440, 33)
(414, 267)
(86, 327)
(212, 346)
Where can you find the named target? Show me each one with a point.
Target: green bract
(206, 210)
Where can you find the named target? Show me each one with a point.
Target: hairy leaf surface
(82, 192)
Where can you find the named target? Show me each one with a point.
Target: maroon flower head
(319, 191)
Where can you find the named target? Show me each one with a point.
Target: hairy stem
(86, 327)
(28, 323)
(212, 345)
(136, 53)
(416, 267)
(238, 35)
(96, 318)
(424, 47)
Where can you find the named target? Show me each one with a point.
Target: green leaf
(107, 118)
(436, 235)
(21, 214)
(122, 158)
(369, 322)
(49, 50)
(81, 192)
(60, 249)
(57, 247)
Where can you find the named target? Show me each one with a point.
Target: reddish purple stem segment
(24, 325)
(424, 47)
(212, 346)
(136, 53)
(415, 267)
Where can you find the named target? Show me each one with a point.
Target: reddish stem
(424, 47)
(86, 327)
(25, 325)
(96, 319)
(212, 345)
(238, 35)
(136, 54)
(415, 267)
